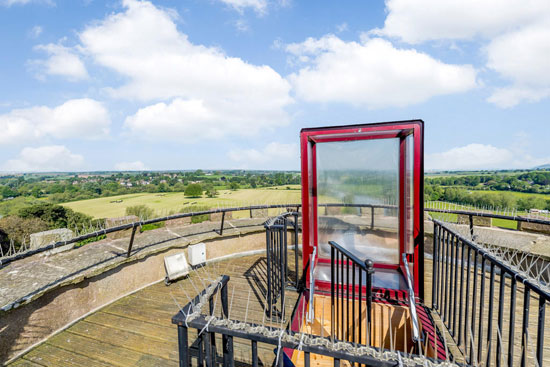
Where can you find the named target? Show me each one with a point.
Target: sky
(90, 85)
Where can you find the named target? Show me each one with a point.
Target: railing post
(131, 241)
(183, 346)
(268, 274)
(223, 220)
(372, 217)
(370, 270)
(227, 341)
(435, 258)
(471, 217)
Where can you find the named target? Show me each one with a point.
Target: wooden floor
(137, 331)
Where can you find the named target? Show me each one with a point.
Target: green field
(173, 202)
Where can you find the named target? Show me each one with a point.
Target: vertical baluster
(183, 346)
(353, 304)
(512, 322)
(472, 322)
(332, 305)
(347, 299)
(446, 288)
(540, 330)
(481, 302)
(525, 325)
(254, 353)
(435, 278)
(498, 354)
(461, 297)
(490, 314)
(455, 287)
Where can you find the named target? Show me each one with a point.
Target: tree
(17, 229)
(234, 185)
(193, 190)
(211, 192)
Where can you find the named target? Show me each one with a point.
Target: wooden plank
(105, 352)
(21, 362)
(127, 340)
(49, 355)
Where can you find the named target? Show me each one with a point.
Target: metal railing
(209, 325)
(345, 285)
(134, 226)
(412, 301)
(276, 236)
(463, 273)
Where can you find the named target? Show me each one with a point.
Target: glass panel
(358, 174)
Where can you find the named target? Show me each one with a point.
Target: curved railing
(134, 225)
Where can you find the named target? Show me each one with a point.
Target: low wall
(24, 326)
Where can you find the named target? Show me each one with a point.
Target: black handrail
(252, 332)
(6, 260)
(340, 284)
(134, 226)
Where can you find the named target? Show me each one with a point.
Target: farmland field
(165, 203)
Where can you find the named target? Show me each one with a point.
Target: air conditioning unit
(176, 267)
(197, 254)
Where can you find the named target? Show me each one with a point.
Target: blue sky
(219, 84)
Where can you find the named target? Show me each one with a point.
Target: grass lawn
(164, 203)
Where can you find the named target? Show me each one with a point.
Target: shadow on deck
(137, 331)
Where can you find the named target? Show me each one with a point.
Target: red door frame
(309, 137)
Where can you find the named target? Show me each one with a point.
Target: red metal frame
(310, 137)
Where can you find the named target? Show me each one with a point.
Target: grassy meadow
(173, 202)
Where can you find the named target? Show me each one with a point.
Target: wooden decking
(137, 330)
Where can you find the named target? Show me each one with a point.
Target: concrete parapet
(178, 222)
(534, 227)
(478, 221)
(45, 238)
(113, 222)
(217, 217)
(258, 213)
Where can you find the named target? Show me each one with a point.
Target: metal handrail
(412, 302)
(349, 255)
(134, 226)
(311, 311)
(6, 260)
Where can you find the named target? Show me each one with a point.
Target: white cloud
(35, 31)
(342, 27)
(25, 2)
(76, 118)
(45, 159)
(259, 6)
(415, 21)
(205, 85)
(192, 120)
(272, 153)
(373, 73)
(482, 156)
(517, 32)
(130, 166)
(522, 57)
(62, 61)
